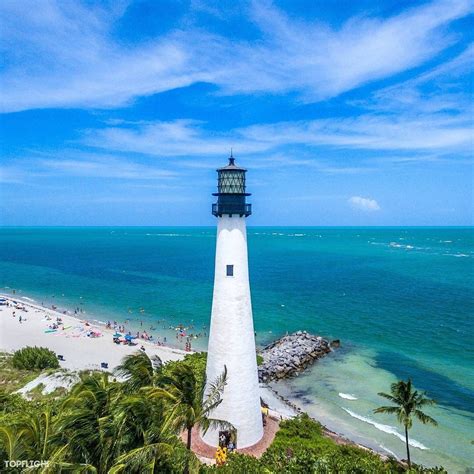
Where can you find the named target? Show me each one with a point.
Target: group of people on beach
(56, 324)
(182, 336)
(18, 307)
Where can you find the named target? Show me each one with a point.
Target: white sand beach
(80, 352)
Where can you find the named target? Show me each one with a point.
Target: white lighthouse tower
(231, 336)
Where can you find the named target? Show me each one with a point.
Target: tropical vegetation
(300, 447)
(407, 404)
(140, 419)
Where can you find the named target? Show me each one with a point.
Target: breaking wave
(347, 396)
(386, 429)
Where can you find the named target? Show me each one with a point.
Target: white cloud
(63, 54)
(174, 138)
(321, 62)
(444, 88)
(405, 132)
(364, 204)
(82, 165)
(104, 167)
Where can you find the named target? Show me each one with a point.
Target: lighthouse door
(228, 439)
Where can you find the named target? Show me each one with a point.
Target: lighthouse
(231, 335)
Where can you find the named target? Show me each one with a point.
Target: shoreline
(162, 334)
(93, 351)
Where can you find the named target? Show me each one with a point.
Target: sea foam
(347, 396)
(386, 429)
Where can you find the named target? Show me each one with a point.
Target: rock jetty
(290, 355)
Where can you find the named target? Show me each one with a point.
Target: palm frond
(214, 392)
(387, 396)
(424, 418)
(387, 409)
(217, 424)
(137, 458)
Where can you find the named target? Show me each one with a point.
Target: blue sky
(345, 113)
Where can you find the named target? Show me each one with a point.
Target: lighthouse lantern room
(231, 191)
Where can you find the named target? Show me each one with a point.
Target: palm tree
(407, 403)
(107, 428)
(190, 404)
(144, 433)
(33, 435)
(139, 371)
(86, 422)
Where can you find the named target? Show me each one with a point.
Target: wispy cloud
(12, 174)
(364, 204)
(104, 167)
(444, 88)
(62, 54)
(400, 132)
(174, 138)
(372, 132)
(70, 163)
(322, 62)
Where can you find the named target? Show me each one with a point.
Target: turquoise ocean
(401, 300)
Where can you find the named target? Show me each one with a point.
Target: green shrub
(301, 447)
(35, 358)
(237, 464)
(301, 431)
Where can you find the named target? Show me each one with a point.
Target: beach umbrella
(128, 337)
(117, 334)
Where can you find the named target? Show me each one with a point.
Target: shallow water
(400, 299)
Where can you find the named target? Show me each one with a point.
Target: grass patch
(11, 378)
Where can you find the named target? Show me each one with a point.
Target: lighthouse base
(201, 448)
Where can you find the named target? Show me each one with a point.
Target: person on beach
(19, 319)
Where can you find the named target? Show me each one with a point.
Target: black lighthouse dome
(231, 191)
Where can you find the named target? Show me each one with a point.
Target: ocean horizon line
(119, 226)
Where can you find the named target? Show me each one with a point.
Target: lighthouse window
(230, 270)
